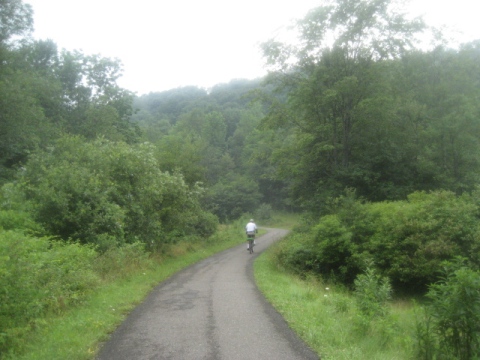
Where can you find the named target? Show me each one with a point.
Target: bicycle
(251, 242)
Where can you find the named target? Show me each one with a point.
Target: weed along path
(211, 310)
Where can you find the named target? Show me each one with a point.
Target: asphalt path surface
(211, 310)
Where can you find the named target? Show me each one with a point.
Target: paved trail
(211, 310)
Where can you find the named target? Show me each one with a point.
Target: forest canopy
(353, 104)
(370, 111)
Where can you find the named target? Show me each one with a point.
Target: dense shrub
(18, 220)
(335, 249)
(38, 275)
(204, 223)
(16, 212)
(107, 194)
(407, 240)
(412, 238)
(451, 329)
(298, 254)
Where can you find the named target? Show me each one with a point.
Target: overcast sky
(164, 44)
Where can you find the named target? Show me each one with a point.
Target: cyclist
(251, 230)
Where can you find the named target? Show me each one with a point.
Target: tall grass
(327, 318)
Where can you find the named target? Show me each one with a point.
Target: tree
(45, 93)
(169, 105)
(329, 78)
(447, 112)
(89, 86)
(23, 124)
(232, 197)
(16, 19)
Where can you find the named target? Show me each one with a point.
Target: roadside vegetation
(58, 318)
(327, 318)
(391, 280)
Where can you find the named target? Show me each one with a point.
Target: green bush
(15, 211)
(372, 293)
(18, 220)
(335, 249)
(407, 240)
(454, 317)
(204, 224)
(37, 276)
(297, 254)
(413, 238)
(108, 194)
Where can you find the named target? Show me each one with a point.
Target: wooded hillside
(372, 113)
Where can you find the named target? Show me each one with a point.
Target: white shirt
(251, 227)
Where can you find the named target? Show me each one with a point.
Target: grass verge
(326, 318)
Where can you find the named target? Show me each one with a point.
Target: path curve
(211, 310)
